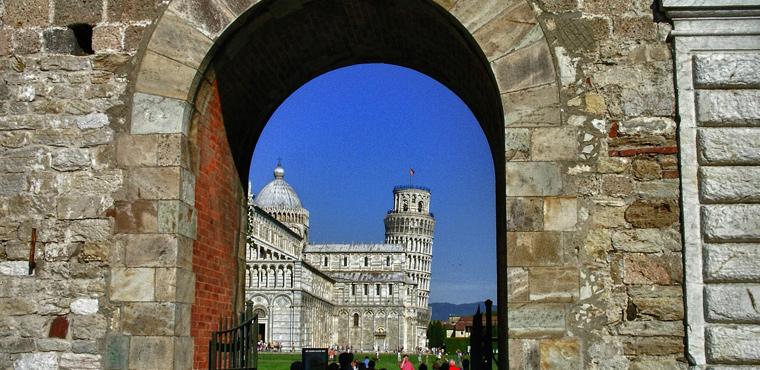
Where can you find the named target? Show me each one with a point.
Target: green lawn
(282, 361)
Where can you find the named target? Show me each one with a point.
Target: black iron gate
(481, 340)
(233, 346)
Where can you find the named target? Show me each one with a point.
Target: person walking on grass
(406, 364)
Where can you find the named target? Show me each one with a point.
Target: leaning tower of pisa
(411, 224)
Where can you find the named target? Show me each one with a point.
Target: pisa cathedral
(366, 296)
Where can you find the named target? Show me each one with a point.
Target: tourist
(422, 366)
(344, 359)
(453, 365)
(406, 364)
(366, 361)
(465, 364)
(371, 365)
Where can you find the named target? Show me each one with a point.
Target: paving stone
(719, 70)
(736, 222)
(732, 262)
(729, 184)
(728, 107)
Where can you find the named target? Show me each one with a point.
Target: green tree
(436, 334)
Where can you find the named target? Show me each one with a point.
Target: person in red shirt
(453, 365)
(406, 364)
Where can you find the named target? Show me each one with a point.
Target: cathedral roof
(354, 248)
(278, 194)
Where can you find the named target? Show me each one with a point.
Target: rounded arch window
(356, 319)
(419, 207)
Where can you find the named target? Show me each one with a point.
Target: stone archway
(195, 98)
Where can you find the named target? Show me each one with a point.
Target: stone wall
(719, 96)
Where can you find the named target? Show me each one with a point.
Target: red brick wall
(217, 203)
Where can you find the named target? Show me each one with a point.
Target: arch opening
(249, 76)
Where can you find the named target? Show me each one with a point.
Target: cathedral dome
(278, 194)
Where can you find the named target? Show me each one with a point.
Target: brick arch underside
(267, 53)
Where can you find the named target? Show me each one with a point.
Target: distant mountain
(442, 311)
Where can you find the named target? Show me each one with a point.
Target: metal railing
(233, 346)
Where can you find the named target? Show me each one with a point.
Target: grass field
(282, 361)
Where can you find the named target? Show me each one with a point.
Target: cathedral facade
(364, 296)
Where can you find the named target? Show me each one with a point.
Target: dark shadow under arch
(278, 46)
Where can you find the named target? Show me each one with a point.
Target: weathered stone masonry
(107, 157)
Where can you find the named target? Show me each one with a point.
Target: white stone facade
(363, 296)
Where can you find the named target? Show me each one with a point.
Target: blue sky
(347, 137)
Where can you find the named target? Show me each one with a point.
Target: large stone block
(661, 269)
(656, 302)
(560, 353)
(473, 14)
(718, 70)
(36, 361)
(177, 39)
(517, 142)
(175, 285)
(728, 107)
(140, 216)
(208, 16)
(729, 184)
(532, 107)
(652, 346)
(735, 222)
(732, 303)
(153, 114)
(553, 284)
(12, 184)
(137, 150)
(155, 183)
(554, 144)
(80, 207)
(149, 319)
(504, 34)
(131, 10)
(26, 13)
(739, 146)
(79, 361)
(157, 250)
(536, 319)
(517, 280)
(649, 213)
(733, 343)
(525, 214)
(732, 262)
(133, 284)
(533, 179)
(531, 66)
(646, 240)
(651, 328)
(68, 12)
(88, 327)
(560, 214)
(161, 76)
(534, 249)
(175, 216)
(150, 352)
